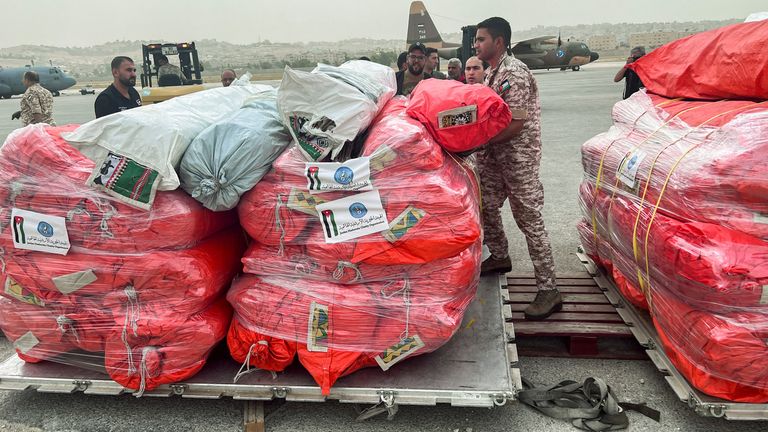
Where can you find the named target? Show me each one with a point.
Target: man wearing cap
(408, 79)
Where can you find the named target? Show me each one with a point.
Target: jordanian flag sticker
(352, 217)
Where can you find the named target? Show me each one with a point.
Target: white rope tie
(279, 225)
(143, 371)
(16, 189)
(106, 215)
(67, 324)
(342, 265)
(406, 292)
(131, 319)
(245, 368)
(79, 210)
(2, 259)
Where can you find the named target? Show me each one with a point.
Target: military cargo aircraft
(546, 52)
(52, 78)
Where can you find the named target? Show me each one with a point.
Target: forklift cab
(188, 62)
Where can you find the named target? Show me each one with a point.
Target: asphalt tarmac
(575, 107)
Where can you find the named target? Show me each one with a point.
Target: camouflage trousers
(515, 177)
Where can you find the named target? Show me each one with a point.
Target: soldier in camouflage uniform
(36, 103)
(165, 68)
(509, 167)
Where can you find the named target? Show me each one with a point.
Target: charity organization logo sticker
(352, 175)
(39, 232)
(352, 217)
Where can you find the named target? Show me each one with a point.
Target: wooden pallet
(588, 323)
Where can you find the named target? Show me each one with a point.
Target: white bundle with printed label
(140, 149)
(331, 105)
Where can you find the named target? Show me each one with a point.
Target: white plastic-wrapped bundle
(229, 157)
(331, 105)
(137, 151)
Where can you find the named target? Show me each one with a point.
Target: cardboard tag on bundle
(352, 175)
(352, 217)
(39, 232)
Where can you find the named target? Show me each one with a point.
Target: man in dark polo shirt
(120, 95)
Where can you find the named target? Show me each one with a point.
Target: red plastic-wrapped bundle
(40, 172)
(461, 117)
(350, 324)
(724, 63)
(139, 292)
(708, 171)
(723, 355)
(371, 300)
(676, 209)
(165, 347)
(184, 280)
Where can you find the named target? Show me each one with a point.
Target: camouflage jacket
(514, 82)
(36, 100)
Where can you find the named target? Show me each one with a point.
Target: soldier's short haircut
(497, 27)
(430, 51)
(117, 61)
(454, 61)
(638, 49)
(32, 76)
(229, 70)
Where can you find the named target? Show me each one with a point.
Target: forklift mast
(188, 61)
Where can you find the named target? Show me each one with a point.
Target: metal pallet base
(642, 328)
(478, 367)
(588, 322)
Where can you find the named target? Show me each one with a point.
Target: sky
(91, 22)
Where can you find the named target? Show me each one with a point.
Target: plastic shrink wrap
(372, 299)
(675, 199)
(90, 281)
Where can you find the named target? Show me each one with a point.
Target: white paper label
(69, 283)
(26, 342)
(39, 232)
(758, 218)
(629, 166)
(352, 217)
(352, 175)
(764, 295)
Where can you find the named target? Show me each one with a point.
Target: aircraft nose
(593, 56)
(69, 81)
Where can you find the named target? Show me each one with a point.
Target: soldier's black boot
(496, 265)
(545, 304)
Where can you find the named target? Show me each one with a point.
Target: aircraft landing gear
(563, 68)
(56, 94)
(576, 68)
(6, 96)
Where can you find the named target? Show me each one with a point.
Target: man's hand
(16, 115)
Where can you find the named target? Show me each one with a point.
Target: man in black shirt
(632, 81)
(120, 95)
(414, 72)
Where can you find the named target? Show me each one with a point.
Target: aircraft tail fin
(420, 25)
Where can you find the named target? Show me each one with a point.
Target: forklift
(189, 64)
